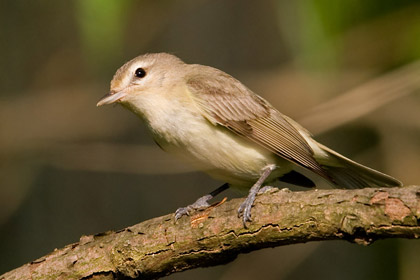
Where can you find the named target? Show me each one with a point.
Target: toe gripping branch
(245, 208)
(201, 203)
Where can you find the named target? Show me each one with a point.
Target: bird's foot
(245, 209)
(266, 188)
(201, 203)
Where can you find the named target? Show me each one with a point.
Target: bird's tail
(352, 175)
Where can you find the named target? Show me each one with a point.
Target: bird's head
(145, 73)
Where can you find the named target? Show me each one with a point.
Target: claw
(201, 203)
(245, 209)
(265, 189)
(182, 211)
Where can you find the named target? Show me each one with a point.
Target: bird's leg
(200, 203)
(245, 208)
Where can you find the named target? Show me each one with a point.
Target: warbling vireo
(212, 120)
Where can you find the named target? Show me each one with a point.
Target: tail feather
(353, 175)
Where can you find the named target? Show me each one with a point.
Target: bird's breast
(179, 127)
(213, 148)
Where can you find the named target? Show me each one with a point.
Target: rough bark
(160, 246)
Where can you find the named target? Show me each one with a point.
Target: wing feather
(227, 102)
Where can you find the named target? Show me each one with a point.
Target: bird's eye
(140, 73)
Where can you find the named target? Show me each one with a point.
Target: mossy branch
(160, 246)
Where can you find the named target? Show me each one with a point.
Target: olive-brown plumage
(227, 102)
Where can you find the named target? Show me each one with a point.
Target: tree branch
(159, 246)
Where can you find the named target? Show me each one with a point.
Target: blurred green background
(69, 168)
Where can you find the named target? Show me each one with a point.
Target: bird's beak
(111, 97)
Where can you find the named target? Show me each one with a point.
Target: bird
(213, 121)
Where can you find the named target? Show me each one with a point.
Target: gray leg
(200, 203)
(245, 208)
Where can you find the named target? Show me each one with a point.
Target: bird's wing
(225, 101)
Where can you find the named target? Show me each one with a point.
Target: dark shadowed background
(68, 168)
